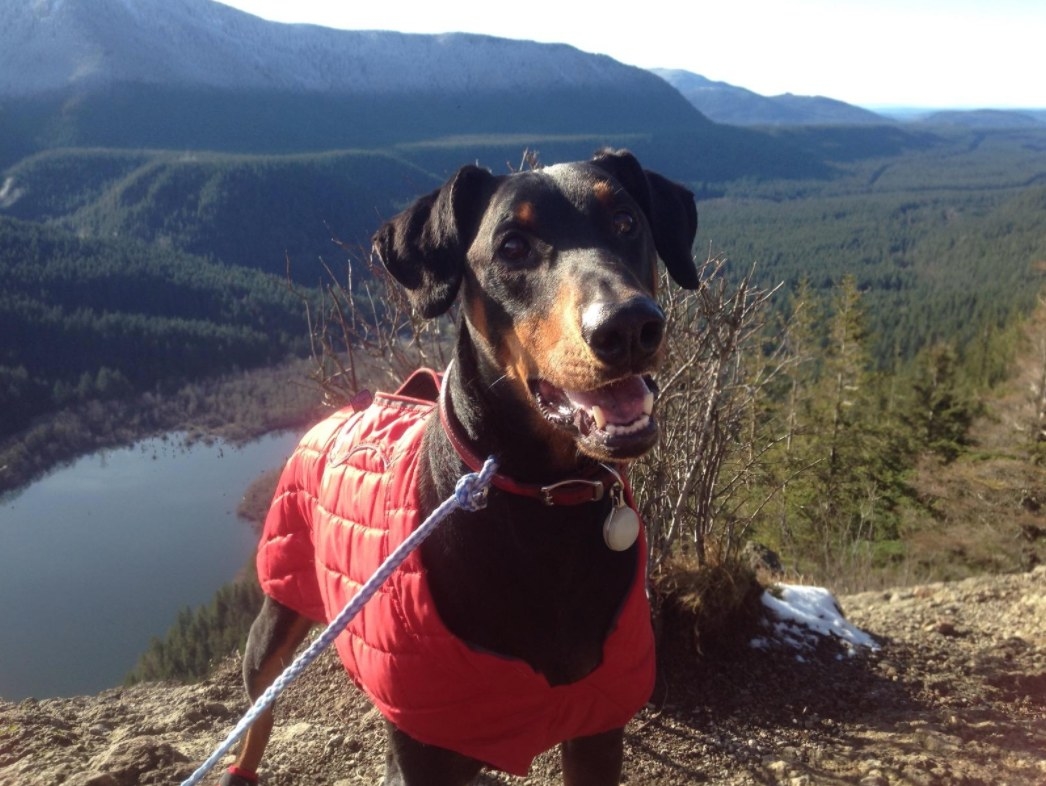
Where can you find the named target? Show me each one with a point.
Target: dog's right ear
(424, 247)
(669, 208)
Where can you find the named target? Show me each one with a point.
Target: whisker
(502, 378)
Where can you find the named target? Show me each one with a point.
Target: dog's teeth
(599, 417)
(637, 425)
(648, 403)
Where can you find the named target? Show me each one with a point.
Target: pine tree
(845, 439)
(940, 412)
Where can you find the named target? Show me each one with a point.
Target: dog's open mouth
(616, 419)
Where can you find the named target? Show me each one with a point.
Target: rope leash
(470, 494)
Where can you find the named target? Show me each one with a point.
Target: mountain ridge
(52, 45)
(722, 102)
(196, 75)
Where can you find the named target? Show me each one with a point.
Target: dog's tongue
(619, 403)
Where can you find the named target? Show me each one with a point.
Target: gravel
(955, 694)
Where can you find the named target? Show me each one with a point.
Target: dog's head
(558, 273)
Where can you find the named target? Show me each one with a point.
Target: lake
(98, 558)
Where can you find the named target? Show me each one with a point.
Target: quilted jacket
(346, 498)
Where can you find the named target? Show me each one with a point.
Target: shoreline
(235, 408)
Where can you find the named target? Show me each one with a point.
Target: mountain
(55, 44)
(194, 74)
(725, 103)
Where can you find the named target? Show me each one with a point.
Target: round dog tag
(621, 528)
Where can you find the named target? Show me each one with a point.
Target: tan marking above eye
(526, 214)
(604, 192)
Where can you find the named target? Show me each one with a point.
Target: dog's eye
(624, 223)
(514, 249)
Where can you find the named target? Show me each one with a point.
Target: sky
(872, 53)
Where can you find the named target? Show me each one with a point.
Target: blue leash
(470, 494)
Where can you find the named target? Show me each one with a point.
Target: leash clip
(548, 492)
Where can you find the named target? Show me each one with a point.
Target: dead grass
(707, 607)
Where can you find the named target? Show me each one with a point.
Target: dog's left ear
(669, 209)
(424, 247)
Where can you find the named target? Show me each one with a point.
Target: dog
(536, 628)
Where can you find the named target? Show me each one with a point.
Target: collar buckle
(548, 493)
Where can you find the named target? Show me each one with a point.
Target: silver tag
(621, 528)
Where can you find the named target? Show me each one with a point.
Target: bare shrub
(703, 485)
(696, 488)
(364, 333)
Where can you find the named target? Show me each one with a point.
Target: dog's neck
(481, 404)
(572, 490)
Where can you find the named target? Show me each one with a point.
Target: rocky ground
(956, 694)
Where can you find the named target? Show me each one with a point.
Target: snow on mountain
(48, 45)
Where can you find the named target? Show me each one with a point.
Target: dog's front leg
(595, 760)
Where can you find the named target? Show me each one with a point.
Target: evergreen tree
(200, 637)
(940, 411)
(843, 454)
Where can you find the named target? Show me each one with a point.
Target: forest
(945, 245)
(93, 320)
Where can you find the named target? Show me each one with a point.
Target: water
(98, 558)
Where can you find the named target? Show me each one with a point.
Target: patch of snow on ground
(801, 616)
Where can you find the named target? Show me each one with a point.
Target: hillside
(956, 694)
(83, 319)
(251, 211)
(945, 240)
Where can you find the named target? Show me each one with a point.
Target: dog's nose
(624, 334)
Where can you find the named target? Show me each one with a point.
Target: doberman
(559, 337)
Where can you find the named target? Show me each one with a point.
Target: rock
(131, 762)
(102, 779)
(762, 559)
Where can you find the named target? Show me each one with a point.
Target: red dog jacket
(346, 499)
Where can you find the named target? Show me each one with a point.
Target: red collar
(572, 491)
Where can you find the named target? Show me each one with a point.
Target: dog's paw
(233, 777)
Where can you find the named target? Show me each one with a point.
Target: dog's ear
(424, 247)
(669, 209)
